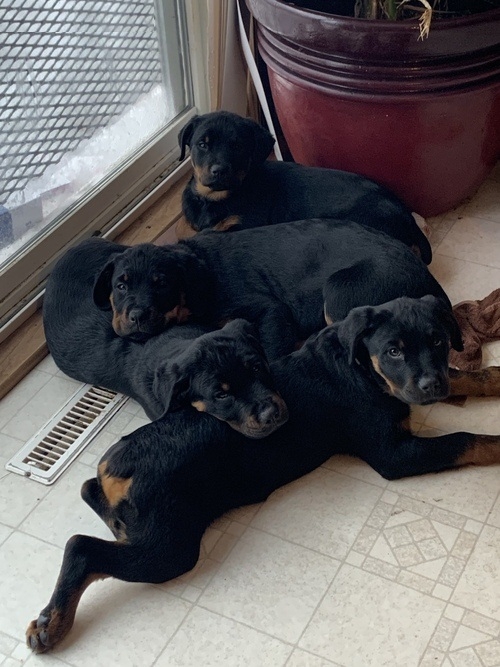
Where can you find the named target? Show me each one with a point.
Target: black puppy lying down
(182, 366)
(347, 389)
(272, 276)
(234, 188)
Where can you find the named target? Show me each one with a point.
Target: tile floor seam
(468, 261)
(40, 539)
(299, 544)
(345, 474)
(341, 564)
(246, 624)
(155, 661)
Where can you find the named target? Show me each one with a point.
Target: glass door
(91, 96)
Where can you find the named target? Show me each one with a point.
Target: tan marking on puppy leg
(183, 229)
(485, 382)
(392, 388)
(114, 488)
(60, 621)
(227, 223)
(483, 451)
(199, 405)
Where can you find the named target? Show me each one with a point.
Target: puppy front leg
(485, 382)
(412, 455)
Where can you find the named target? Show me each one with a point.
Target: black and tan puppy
(233, 187)
(275, 276)
(150, 292)
(159, 488)
(223, 372)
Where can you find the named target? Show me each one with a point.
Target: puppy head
(405, 343)
(225, 374)
(147, 287)
(224, 147)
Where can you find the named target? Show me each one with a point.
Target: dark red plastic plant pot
(419, 116)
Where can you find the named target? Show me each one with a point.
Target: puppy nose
(268, 413)
(218, 170)
(428, 384)
(137, 315)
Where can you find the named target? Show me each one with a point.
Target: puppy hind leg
(87, 559)
(348, 288)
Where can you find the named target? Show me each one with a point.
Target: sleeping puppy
(233, 187)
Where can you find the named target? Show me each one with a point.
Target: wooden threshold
(26, 347)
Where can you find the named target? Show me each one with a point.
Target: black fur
(180, 367)
(280, 277)
(187, 469)
(235, 188)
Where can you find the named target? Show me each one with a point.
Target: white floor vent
(45, 457)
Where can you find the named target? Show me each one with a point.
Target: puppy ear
(263, 142)
(242, 326)
(186, 134)
(447, 318)
(170, 387)
(353, 328)
(102, 286)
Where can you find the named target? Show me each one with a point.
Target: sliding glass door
(92, 95)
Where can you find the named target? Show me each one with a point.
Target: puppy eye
(121, 287)
(437, 342)
(394, 352)
(221, 394)
(203, 145)
(257, 367)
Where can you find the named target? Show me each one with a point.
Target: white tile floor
(338, 568)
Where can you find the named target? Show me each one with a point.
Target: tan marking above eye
(225, 386)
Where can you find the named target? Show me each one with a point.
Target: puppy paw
(46, 631)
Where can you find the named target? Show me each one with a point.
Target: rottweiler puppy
(347, 389)
(233, 187)
(275, 277)
(222, 373)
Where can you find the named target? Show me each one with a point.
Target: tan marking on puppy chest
(376, 365)
(179, 313)
(204, 190)
(227, 223)
(114, 488)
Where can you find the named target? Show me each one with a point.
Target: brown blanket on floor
(479, 323)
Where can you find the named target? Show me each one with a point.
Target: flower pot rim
(380, 24)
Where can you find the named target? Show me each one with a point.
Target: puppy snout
(218, 170)
(268, 413)
(138, 315)
(429, 385)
